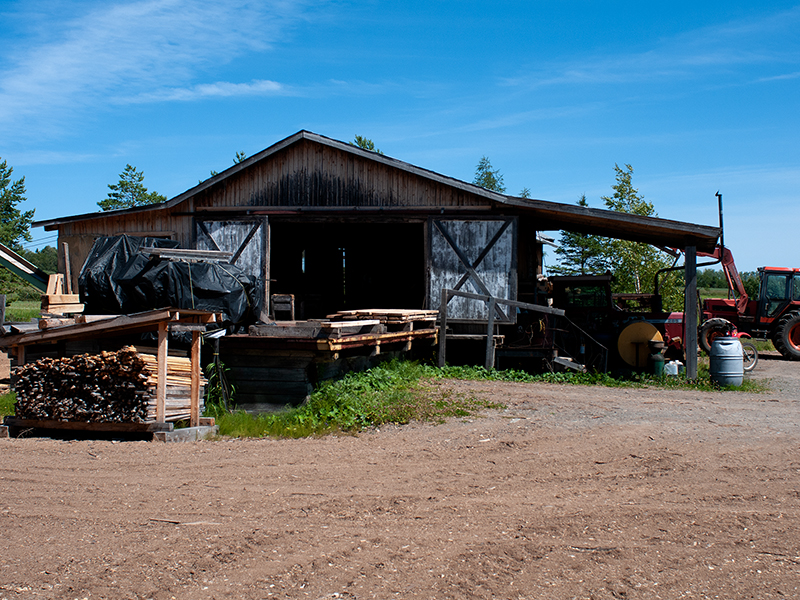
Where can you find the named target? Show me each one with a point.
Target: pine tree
(129, 191)
(487, 177)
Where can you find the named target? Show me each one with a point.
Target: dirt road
(570, 492)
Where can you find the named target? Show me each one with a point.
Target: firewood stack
(110, 387)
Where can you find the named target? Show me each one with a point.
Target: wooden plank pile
(316, 329)
(395, 319)
(110, 387)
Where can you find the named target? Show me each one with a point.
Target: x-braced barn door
(477, 256)
(248, 239)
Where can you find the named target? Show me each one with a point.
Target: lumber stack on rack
(57, 300)
(110, 387)
(179, 386)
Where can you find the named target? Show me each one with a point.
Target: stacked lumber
(179, 386)
(110, 387)
(395, 319)
(386, 315)
(61, 304)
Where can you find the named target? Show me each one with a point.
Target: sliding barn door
(248, 239)
(477, 256)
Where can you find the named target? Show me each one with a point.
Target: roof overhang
(549, 215)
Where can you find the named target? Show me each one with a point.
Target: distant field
(712, 293)
(22, 311)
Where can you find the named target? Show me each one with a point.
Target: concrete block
(187, 434)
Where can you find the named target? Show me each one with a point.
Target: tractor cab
(778, 294)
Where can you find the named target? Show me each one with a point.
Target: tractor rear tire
(711, 329)
(787, 336)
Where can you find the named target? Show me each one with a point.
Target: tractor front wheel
(712, 329)
(787, 336)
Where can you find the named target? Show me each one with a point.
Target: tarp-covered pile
(119, 279)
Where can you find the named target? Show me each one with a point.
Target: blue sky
(696, 96)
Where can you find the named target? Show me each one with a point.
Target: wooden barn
(339, 228)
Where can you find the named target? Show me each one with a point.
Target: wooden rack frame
(492, 303)
(164, 320)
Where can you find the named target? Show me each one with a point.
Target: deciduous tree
(635, 264)
(580, 253)
(15, 224)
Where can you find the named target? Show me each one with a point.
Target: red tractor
(774, 315)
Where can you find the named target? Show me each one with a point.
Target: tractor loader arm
(725, 257)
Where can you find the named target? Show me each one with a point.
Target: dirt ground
(570, 492)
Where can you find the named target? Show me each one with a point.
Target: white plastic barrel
(725, 365)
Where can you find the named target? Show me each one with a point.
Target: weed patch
(7, 404)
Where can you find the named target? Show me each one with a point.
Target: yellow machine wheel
(632, 343)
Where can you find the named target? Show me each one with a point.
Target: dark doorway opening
(344, 266)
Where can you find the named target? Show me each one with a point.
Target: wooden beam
(161, 386)
(83, 426)
(690, 312)
(194, 406)
(146, 319)
(489, 364)
(443, 326)
(67, 267)
(189, 254)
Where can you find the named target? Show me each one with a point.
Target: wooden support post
(690, 312)
(2, 310)
(443, 327)
(161, 385)
(194, 406)
(490, 335)
(67, 267)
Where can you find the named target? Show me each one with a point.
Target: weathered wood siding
(311, 175)
(476, 256)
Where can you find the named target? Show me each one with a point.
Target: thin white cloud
(725, 50)
(220, 89)
(135, 49)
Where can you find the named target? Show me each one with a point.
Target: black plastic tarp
(119, 279)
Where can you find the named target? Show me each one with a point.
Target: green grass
(7, 404)
(22, 311)
(637, 380)
(399, 392)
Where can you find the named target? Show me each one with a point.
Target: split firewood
(110, 387)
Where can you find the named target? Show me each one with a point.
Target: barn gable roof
(549, 215)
